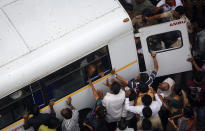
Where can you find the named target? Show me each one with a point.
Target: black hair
(180, 10)
(198, 76)
(147, 112)
(122, 124)
(188, 112)
(178, 91)
(35, 110)
(133, 95)
(53, 123)
(67, 114)
(101, 112)
(146, 100)
(144, 77)
(146, 124)
(143, 88)
(115, 88)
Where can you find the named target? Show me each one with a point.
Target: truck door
(171, 43)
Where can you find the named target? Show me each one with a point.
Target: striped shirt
(148, 83)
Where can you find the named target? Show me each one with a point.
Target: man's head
(53, 123)
(143, 77)
(146, 124)
(179, 11)
(166, 84)
(115, 88)
(147, 100)
(66, 113)
(143, 88)
(36, 110)
(170, 2)
(100, 112)
(147, 112)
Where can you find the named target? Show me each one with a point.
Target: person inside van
(38, 118)
(70, 115)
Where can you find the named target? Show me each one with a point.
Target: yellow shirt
(139, 98)
(45, 128)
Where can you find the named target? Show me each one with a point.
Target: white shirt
(72, 123)
(178, 3)
(114, 106)
(155, 107)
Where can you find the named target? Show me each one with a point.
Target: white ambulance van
(47, 47)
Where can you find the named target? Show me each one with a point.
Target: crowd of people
(132, 105)
(136, 104)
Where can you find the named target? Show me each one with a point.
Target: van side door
(171, 43)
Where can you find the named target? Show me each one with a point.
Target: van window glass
(18, 103)
(75, 75)
(165, 41)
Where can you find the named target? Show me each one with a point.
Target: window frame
(168, 49)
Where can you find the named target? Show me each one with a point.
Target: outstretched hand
(69, 101)
(153, 54)
(190, 59)
(113, 71)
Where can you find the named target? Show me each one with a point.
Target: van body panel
(63, 51)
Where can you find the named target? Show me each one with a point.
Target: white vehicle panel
(123, 51)
(42, 21)
(170, 61)
(12, 46)
(56, 55)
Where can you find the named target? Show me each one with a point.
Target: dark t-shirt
(36, 121)
(197, 93)
(148, 83)
(97, 124)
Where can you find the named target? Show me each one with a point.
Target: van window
(165, 41)
(75, 76)
(15, 105)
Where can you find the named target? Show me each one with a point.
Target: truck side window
(15, 105)
(165, 41)
(75, 75)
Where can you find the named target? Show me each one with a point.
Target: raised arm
(51, 104)
(95, 93)
(119, 77)
(156, 68)
(69, 102)
(194, 63)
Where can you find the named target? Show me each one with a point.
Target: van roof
(39, 37)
